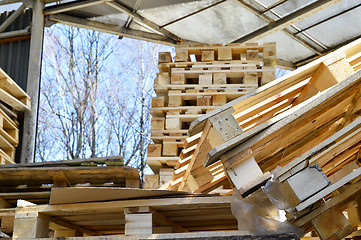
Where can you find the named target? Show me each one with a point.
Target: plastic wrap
(257, 215)
(272, 189)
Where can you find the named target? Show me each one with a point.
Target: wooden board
(11, 177)
(97, 194)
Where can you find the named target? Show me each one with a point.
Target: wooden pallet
(256, 113)
(130, 217)
(39, 177)
(189, 87)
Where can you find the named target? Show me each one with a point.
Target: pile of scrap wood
(197, 81)
(12, 100)
(302, 130)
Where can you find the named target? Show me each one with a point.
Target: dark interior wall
(14, 58)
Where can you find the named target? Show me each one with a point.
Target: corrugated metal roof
(303, 29)
(14, 52)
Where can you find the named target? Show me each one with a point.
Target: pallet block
(165, 175)
(181, 55)
(138, 224)
(154, 150)
(162, 79)
(164, 57)
(158, 101)
(151, 181)
(178, 78)
(268, 76)
(219, 78)
(252, 54)
(31, 225)
(205, 79)
(224, 54)
(219, 100)
(250, 79)
(170, 149)
(157, 123)
(173, 123)
(174, 101)
(207, 56)
(204, 101)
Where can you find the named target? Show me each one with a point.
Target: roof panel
(338, 29)
(221, 21)
(221, 24)
(284, 44)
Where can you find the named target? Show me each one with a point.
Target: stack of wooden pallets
(304, 129)
(200, 79)
(12, 100)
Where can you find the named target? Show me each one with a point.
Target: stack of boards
(199, 79)
(12, 100)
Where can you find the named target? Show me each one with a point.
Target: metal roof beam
(273, 6)
(287, 20)
(286, 31)
(70, 6)
(12, 17)
(111, 29)
(4, 2)
(143, 20)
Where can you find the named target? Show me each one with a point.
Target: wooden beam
(287, 20)
(142, 20)
(302, 161)
(279, 121)
(118, 205)
(59, 178)
(74, 227)
(111, 29)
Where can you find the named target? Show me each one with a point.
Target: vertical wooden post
(33, 83)
(31, 225)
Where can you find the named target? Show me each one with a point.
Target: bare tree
(95, 96)
(138, 67)
(73, 59)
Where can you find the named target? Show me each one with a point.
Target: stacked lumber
(304, 129)
(200, 79)
(237, 121)
(12, 100)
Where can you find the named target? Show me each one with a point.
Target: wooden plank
(37, 176)
(266, 91)
(332, 224)
(322, 100)
(291, 168)
(98, 194)
(73, 227)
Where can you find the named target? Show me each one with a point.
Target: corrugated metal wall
(14, 59)
(14, 53)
